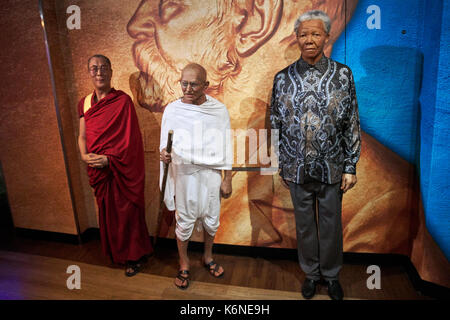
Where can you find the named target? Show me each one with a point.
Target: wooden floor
(38, 277)
(36, 269)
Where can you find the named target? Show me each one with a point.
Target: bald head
(193, 83)
(201, 72)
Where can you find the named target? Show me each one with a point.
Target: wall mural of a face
(169, 35)
(221, 36)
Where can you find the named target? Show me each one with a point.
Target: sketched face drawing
(169, 35)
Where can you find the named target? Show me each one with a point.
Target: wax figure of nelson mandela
(315, 109)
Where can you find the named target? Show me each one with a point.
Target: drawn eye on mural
(169, 10)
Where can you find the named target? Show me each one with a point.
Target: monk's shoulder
(123, 96)
(80, 106)
(122, 100)
(81, 101)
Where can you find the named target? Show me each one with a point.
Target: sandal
(135, 268)
(213, 270)
(183, 279)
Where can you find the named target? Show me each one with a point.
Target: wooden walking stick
(163, 187)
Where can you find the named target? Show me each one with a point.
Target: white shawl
(202, 138)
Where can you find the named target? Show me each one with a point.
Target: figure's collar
(321, 65)
(95, 98)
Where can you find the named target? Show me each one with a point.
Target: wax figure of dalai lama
(110, 144)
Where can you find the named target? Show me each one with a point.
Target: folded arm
(91, 159)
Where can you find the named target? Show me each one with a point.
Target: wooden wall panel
(30, 147)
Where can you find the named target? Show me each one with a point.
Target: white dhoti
(201, 149)
(197, 199)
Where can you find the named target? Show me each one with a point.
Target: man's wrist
(227, 176)
(349, 169)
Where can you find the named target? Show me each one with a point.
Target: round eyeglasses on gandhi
(194, 85)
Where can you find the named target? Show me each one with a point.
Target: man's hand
(95, 160)
(164, 156)
(348, 181)
(225, 186)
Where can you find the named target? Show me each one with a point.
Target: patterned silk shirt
(314, 108)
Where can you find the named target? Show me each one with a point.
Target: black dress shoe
(309, 288)
(335, 290)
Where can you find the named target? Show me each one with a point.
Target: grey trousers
(319, 241)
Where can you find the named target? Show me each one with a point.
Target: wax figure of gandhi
(110, 144)
(315, 109)
(201, 151)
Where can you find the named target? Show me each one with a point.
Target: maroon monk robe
(112, 129)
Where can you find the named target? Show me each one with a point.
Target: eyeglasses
(194, 85)
(94, 69)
